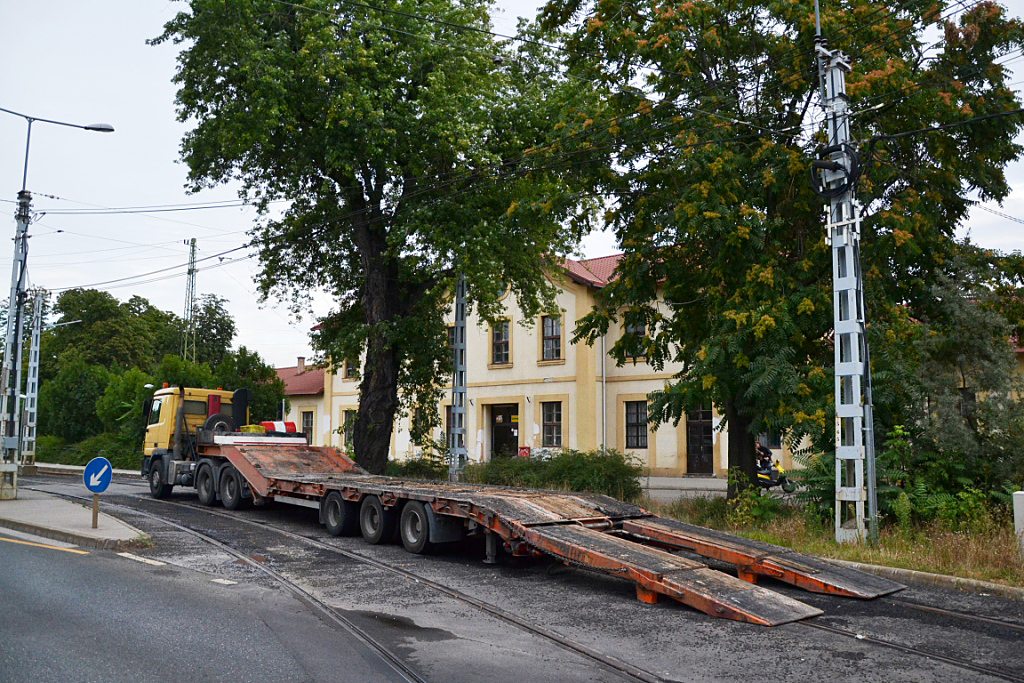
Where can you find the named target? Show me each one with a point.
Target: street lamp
(10, 381)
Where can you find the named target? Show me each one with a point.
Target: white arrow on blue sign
(97, 475)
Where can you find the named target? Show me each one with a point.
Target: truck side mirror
(146, 405)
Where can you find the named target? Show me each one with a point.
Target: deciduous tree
(399, 135)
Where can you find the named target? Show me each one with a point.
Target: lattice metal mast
(188, 338)
(28, 439)
(457, 424)
(835, 177)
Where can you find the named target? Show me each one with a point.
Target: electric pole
(188, 338)
(456, 436)
(834, 176)
(28, 440)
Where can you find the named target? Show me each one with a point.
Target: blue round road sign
(97, 475)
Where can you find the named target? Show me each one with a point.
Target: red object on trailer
(279, 426)
(212, 405)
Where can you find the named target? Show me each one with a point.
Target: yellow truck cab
(176, 417)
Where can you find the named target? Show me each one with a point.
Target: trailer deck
(592, 531)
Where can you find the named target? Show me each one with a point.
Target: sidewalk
(671, 489)
(53, 517)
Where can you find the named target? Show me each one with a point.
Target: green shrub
(610, 473)
(120, 451)
(418, 468)
(749, 507)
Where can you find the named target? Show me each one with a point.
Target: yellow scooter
(771, 474)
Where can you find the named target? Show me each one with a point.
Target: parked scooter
(770, 473)
(774, 475)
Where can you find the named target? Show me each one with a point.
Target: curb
(937, 580)
(53, 468)
(76, 539)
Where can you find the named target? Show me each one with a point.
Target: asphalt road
(69, 618)
(450, 641)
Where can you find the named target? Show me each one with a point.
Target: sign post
(97, 476)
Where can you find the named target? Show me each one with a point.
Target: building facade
(529, 390)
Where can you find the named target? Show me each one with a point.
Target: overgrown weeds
(982, 547)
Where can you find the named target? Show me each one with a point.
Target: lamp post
(10, 380)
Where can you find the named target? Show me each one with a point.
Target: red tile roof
(310, 382)
(596, 272)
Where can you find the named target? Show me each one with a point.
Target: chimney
(301, 366)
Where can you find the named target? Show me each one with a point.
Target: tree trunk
(378, 391)
(741, 445)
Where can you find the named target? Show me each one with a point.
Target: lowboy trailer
(592, 531)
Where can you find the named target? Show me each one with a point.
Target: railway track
(623, 669)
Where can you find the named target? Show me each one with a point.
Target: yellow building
(529, 389)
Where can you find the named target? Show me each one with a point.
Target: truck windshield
(154, 412)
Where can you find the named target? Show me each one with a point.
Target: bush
(121, 453)
(418, 468)
(610, 473)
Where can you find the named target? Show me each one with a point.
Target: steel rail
(325, 610)
(609, 662)
(909, 649)
(959, 615)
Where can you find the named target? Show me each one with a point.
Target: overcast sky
(87, 62)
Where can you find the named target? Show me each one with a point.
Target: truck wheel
(376, 523)
(231, 489)
(341, 517)
(157, 486)
(415, 528)
(205, 486)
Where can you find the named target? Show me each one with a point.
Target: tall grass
(990, 554)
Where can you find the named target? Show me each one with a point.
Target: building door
(504, 430)
(700, 456)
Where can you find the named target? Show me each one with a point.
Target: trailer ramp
(754, 558)
(658, 572)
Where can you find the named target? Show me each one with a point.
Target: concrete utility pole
(457, 426)
(835, 177)
(10, 376)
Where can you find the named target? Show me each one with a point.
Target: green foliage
(120, 408)
(612, 474)
(713, 209)
(176, 371)
(122, 453)
(404, 165)
(68, 401)
(244, 368)
(748, 507)
(418, 468)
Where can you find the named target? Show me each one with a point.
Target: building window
(551, 417)
(351, 369)
(771, 440)
(636, 332)
(348, 424)
(500, 346)
(307, 424)
(636, 424)
(551, 335)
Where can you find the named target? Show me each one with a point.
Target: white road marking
(224, 582)
(145, 560)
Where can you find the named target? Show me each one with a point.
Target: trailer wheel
(376, 523)
(414, 526)
(341, 517)
(231, 489)
(205, 485)
(157, 486)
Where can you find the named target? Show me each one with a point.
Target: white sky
(87, 62)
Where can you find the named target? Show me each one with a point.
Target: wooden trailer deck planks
(594, 531)
(755, 558)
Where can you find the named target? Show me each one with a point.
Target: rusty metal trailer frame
(592, 531)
